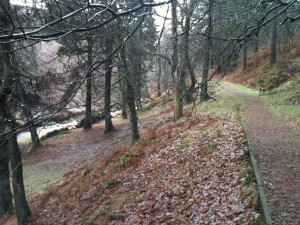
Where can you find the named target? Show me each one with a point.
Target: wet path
(276, 148)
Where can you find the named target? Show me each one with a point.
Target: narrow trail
(276, 148)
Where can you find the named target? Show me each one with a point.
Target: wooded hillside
(96, 64)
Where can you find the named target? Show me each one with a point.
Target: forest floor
(193, 171)
(276, 147)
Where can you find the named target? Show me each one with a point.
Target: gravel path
(276, 148)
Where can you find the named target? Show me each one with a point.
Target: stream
(43, 130)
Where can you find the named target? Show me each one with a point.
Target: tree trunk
(178, 95)
(6, 119)
(191, 89)
(256, 44)
(139, 76)
(88, 101)
(244, 58)
(186, 57)
(137, 84)
(273, 44)
(158, 87)
(122, 87)
(178, 90)
(124, 97)
(124, 107)
(5, 192)
(133, 114)
(20, 201)
(130, 98)
(32, 128)
(188, 66)
(204, 82)
(108, 71)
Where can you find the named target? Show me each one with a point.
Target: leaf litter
(189, 172)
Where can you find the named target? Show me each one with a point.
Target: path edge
(262, 197)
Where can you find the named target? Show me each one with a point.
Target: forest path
(276, 149)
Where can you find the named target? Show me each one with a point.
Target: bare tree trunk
(158, 87)
(7, 82)
(130, 98)
(133, 114)
(273, 44)
(5, 90)
(244, 58)
(124, 97)
(32, 128)
(186, 51)
(5, 192)
(204, 82)
(256, 44)
(139, 78)
(88, 101)
(178, 89)
(122, 86)
(191, 89)
(20, 201)
(124, 108)
(108, 70)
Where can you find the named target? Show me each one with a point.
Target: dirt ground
(83, 147)
(276, 147)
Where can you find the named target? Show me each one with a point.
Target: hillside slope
(189, 172)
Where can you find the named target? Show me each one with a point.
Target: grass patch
(244, 89)
(110, 184)
(37, 178)
(56, 133)
(24, 140)
(285, 100)
(225, 104)
(259, 220)
(159, 105)
(182, 146)
(279, 107)
(123, 160)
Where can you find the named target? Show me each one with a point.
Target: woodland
(152, 132)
